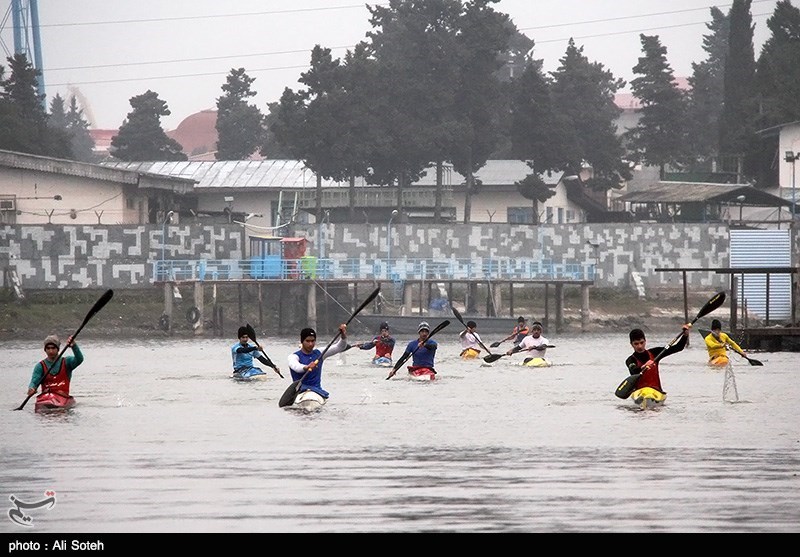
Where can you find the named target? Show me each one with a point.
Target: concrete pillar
(311, 305)
(168, 305)
(559, 306)
(584, 307)
(408, 298)
(198, 303)
(498, 300)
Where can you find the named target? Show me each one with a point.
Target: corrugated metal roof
(286, 174)
(699, 192)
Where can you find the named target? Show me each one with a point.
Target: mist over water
(162, 440)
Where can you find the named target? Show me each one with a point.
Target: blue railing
(361, 269)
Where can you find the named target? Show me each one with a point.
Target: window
(520, 215)
(560, 215)
(549, 217)
(130, 203)
(570, 215)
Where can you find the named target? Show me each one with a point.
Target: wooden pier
(324, 302)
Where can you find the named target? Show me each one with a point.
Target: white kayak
(309, 401)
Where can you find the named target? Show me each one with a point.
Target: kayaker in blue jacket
(306, 363)
(59, 369)
(242, 354)
(422, 350)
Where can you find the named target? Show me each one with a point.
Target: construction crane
(25, 24)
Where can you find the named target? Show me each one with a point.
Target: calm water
(163, 441)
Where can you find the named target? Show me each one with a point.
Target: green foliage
(239, 125)
(141, 137)
(659, 136)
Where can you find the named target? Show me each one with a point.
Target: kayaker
(520, 331)
(642, 359)
(383, 343)
(305, 364)
(534, 343)
(717, 343)
(242, 354)
(59, 373)
(422, 350)
(470, 341)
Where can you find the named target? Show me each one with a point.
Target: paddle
(753, 362)
(407, 355)
(251, 332)
(290, 394)
(628, 384)
(461, 319)
(494, 357)
(98, 305)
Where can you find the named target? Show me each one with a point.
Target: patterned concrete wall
(53, 256)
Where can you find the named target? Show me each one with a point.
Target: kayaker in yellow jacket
(717, 344)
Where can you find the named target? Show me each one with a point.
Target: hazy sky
(183, 50)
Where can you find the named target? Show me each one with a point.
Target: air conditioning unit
(8, 205)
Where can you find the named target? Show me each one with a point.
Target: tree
(740, 106)
(239, 124)
(583, 96)
(659, 136)
(80, 141)
(707, 89)
(778, 71)
(141, 137)
(27, 119)
(483, 35)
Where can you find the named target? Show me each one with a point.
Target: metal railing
(274, 268)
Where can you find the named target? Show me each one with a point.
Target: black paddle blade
(290, 394)
(458, 316)
(495, 344)
(627, 386)
(754, 362)
(251, 332)
(492, 358)
(716, 301)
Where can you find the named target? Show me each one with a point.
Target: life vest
(383, 349)
(58, 383)
(651, 377)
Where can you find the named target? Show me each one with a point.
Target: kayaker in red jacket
(59, 372)
(642, 359)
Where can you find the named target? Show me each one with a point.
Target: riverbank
(138, 313)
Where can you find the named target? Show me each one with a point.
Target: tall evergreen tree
(239, 124)
(737, 124)
(659, 136)
(141, 137)
(583, 96)
(707, 88)
(482, 36)
(778, 69)
(30, 132)
(80, 141)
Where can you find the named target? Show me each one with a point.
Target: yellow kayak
(648, 397)
(719, 361)
(469, 353)
(536, 362)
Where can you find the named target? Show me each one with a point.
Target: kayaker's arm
(76, 359)
(36, 378)
(295, 365)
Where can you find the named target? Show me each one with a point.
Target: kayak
(469, 353)
(536, 362)
(648, 397)
(249, 375)
(53, 402)
(309, 401)
(421, 373)
(383, 361)
(719, 361)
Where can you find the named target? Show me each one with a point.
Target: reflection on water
(162, 440)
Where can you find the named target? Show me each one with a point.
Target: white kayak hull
(309, 401)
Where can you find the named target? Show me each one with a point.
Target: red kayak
(53, 402)
(421, 373)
